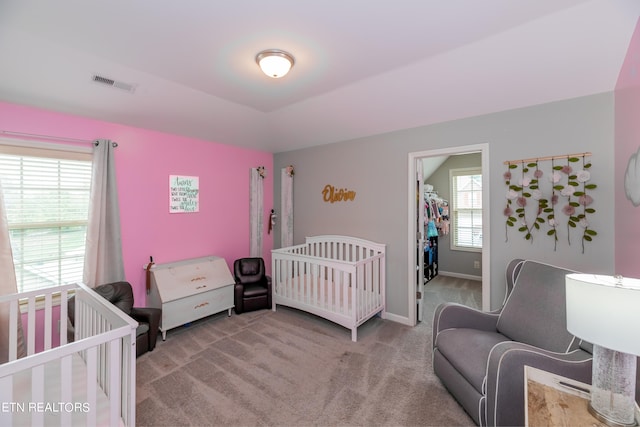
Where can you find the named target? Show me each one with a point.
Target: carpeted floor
(289, 368)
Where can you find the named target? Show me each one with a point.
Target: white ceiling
(362, 67)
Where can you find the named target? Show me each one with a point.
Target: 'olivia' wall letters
(331, 194)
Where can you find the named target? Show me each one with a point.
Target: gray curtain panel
(103, 254)
(8, 286)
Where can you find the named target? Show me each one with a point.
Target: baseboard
(460, 275)
(395, 318)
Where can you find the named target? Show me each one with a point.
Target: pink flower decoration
(508, 211)
(555, 177)
(554, 199)
(507, 176)
(538, 174)
(566, 169)
(522, 202)
(569, 210)
(585, 200)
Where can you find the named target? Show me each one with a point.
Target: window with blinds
(466, 209)
(46, 195)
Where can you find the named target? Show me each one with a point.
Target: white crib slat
(47, 321)
(13, 332)
(6, 395)
(339, 296)
(322, 279)
(37, 393)
(377, 277)
(332, 288)
(64, 315)
(31, 322)
(357, 300)
(103, 366)
(66, 380)
(369, 279)
(92, 384)
(286, 278)
(114, 378)
(346, 290)
(314, 285)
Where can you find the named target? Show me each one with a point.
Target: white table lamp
(605, 311)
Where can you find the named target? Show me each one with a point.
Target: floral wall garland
(545, 198)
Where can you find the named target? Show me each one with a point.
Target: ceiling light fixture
(275, 63)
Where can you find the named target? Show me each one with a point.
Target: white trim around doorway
(483, 148)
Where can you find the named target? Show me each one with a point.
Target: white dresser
(189, 290)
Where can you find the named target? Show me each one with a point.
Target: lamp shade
(274, 63)
(604, 310)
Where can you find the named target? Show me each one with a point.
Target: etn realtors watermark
(52, 407)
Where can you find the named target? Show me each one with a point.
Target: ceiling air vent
(113, 83)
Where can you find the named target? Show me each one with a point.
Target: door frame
(414, 157)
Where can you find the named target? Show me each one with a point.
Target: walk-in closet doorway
(416, 235)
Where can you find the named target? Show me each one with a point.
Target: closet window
(466, 209)
(46, 195)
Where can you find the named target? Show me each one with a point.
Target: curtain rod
(48, 137)
(535, 159)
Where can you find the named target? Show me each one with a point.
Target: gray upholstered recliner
(480, 356)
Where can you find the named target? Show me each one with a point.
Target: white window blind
(466, 190)
(46, 194)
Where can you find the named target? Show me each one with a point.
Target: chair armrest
(504, 383)
(269, 292)
(452, 315)
(152, 317)
(238, 301)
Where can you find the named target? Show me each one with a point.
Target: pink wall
(144, 161)
(627, 145)
(39, 322)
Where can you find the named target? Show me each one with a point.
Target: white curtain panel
(103, 253)
(286, 230)
(256, 211)
(7, 286)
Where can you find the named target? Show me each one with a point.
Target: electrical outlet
(476, 264)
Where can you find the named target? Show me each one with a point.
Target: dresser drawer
(187, 309)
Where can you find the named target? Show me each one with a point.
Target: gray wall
(449, 261)
(376, 167)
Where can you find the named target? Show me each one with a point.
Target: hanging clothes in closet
(436, 224)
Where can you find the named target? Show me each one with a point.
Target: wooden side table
(553, 400)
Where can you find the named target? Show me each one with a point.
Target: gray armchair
(480, 356)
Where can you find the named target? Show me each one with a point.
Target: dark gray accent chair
(480, 356)
(120, 294)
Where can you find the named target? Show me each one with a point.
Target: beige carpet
(289, 368)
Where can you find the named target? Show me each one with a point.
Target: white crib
(339, 278)
(90, 381)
